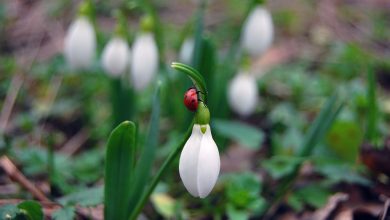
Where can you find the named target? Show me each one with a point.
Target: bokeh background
(55, 121)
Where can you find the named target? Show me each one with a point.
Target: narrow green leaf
(194, 75)
(123, 106)
(321, 125)
(31, 209)
(118, 171)
(371, 130)
(198, 43)
(145, 162)
(244, 134)
(208, 62)
(316, 132)
(160, 172)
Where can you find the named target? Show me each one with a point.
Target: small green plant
(127, 179)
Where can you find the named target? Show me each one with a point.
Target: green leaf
(321, 124)
(66, 213)
(345, 138)
(243, 189)
(279, 166)
(144, 165)
(372, 129)
(244, 134)
(314, 195)
(122, 101)
(86, 197)
(198, 38)
(236, 214)
(31, 209)
(120, 155)
(208, 62)
(295, 202)
(195, 76)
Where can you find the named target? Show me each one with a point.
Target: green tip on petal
(147, 23)
(203, 128)
(85, 9)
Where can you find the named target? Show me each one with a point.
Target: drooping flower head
(199, 161)
(258, 31)
(115, 56)
(80, 41)
(243, 94)
(144, 64)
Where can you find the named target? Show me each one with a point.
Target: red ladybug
(191, 100)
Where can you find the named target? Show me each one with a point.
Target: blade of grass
(196, 58)
(371, 130)
(122, 102)
(316, 132)
(145, 162)
(118, 170)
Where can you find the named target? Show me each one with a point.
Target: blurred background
(326, 56)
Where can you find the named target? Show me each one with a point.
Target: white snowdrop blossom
(115, 56)
(199, 162)
(144, 64)
(80, 44)
(257, 32)
(186, 51)
(243, 94)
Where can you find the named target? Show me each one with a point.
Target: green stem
(195, 76)
(159, 174)
(199, 35)
(371, 130)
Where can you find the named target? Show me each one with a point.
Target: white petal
(144, 61)
(186, 51)
(189, 161)
(258, 31)
(80, 44)
(243, 94)
(115, 56)
(208, 165)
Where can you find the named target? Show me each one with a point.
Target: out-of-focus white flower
(144, 63)
(115, 56)
(258, 31)
(243, 94)
(80, 44)
(186, 51)
(199, 162)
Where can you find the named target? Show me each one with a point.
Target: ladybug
(191, 99)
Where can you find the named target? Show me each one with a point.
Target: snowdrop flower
(80, 44)
(258, 31)
(243, 94)
(199, 161)
(144, 61)
(115, 56)
(186, 51)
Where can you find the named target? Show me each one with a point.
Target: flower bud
(80, 44)
(243, 94)
(199, 162)
(257, 32)
(115, 56)
(144, 63)
(186, 51)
